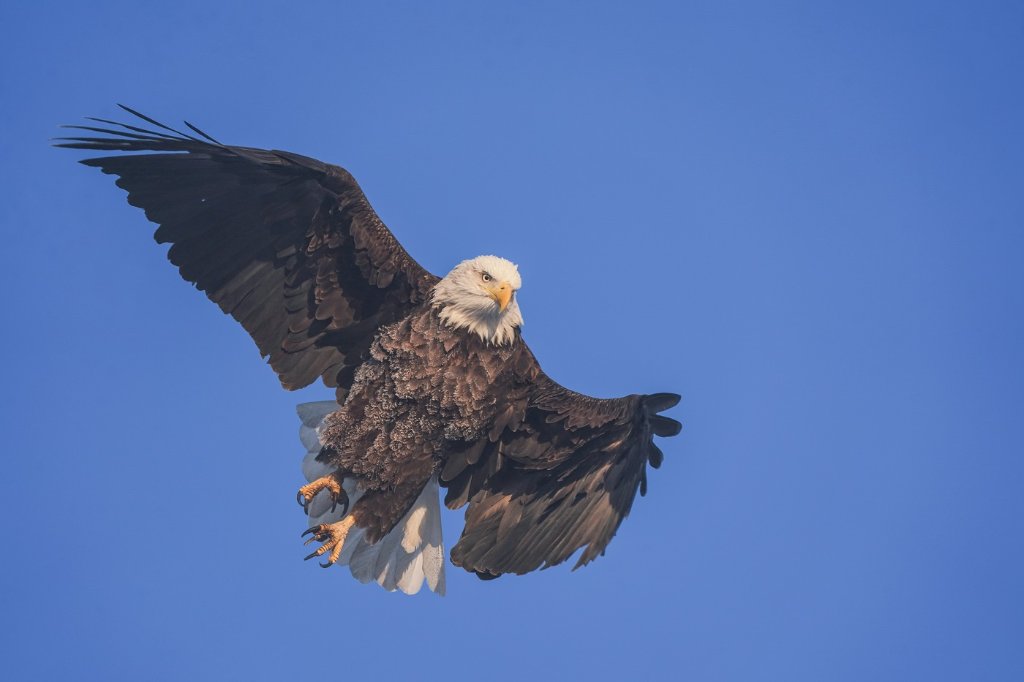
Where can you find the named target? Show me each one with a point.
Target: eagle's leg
(376, 513)
(332, 535)
(333, 484)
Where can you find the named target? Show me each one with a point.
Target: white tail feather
(414, 549)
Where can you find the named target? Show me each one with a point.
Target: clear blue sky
(807, 218)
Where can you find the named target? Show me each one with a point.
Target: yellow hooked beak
(501, 293)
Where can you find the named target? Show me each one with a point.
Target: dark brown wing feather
(287, 245)
(559, 474)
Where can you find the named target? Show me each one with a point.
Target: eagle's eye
(486, 277)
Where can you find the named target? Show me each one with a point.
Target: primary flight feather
(434, 384)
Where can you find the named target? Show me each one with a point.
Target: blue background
(805, 217)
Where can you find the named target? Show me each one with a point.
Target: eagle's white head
(479, 295)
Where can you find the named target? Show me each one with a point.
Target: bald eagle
(434, 383)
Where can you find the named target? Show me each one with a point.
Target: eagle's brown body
(423, 392)
(290, 247)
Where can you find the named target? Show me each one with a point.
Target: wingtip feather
(665, 426)
(658, 402)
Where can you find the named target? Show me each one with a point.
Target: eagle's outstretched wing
(287, 245)
(558, 472)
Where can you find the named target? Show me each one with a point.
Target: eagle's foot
(332, 535)
(331, 483)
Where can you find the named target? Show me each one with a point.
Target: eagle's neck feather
(469, 315)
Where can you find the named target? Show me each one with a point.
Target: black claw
(327, 565)
(301, 499)
(310, 556)
(340, 498)
(308, 531)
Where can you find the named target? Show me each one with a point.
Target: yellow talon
(332, 535)
(331, 483)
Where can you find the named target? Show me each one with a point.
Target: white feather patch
(413, 552)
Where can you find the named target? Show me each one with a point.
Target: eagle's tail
(412, 552)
